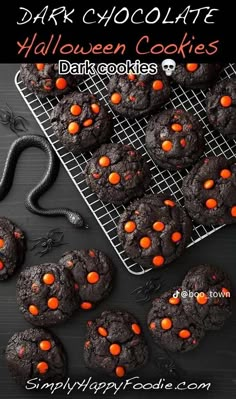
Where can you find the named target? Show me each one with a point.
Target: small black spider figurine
(145, 292)
(16, 123)
(166, 366)
(53, 239)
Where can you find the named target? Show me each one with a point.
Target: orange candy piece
(166, 324)
(102, 331)
(152, 325)
(184, 334)
(202, 298)
(157, 85)
(120, 371)
(61, 83)
(145, 242)
(45, 345)
(1, 265)
(53, 303)
(73, 128)
(86, 305)
(93, 277)
(104, 161)
(158, 226)
(169, 203)
(95, 108)
(192, 67)
(225, 173)
(88, 122)
(177, 127)
(225, 291)
(42, 367)
(75, 110)
(40, 67)
(33, 310)
(208, 184)
(233, 211)
(183, 143)
(2, 243)
(136, 329)
(176, 236)
(115, 349)
(158, 260)
(116, 98)
(174, 301)
(167, 145)
(114, 178)
(225, 101)
(131, 76)
(130, 226)
(48, 278)
(211, 203)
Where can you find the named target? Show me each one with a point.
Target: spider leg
(37, 239)
(57, 244)
(137, 290)
(43, 252)
(36, 245)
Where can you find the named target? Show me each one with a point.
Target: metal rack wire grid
(130, 132)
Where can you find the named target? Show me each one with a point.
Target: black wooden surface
(215, 358)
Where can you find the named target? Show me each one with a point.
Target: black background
(215, 358)
(113, 33)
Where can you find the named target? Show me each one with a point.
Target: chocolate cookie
(135, 96)
(92, 271)
(154, 230)
(221, 107)
(208, 302)
(210, 191)
(80, 122)
(196, 76)
(117, 173)
(35, 353)
(44, 79)
(169, 325)
(174, 139)
(46, 294)
(12, 248)
(115, 344)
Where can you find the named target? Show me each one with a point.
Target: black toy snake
(31, 201)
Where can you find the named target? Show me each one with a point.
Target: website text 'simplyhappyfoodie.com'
(132, 384)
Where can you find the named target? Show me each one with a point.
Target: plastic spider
(167, 366)
(15, 122)
(144, 293)
(53, 239)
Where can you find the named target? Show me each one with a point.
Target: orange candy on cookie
(208, 184)
(2, 243)
(53, 303)
(114, 178)
(115, 349)
(1, 265)
(226, 101)
(95, 108)
(158, 226)
(225, 174)
(45, 345)
(158, 260)
(211, 203)
(61, 83)
(120, 371)
(157, 85)
(93, 277)
(136, 329)
(177, 127)
(130, 226)
(145, 242)
(102, 331)
(167, 145)
(116, 98)
(184, 334)
(73, 128)
(42, 367)
(192, 67)
(202, 298)
(104, 161)
(75, 110)
(33, 310)
(166, 323)
(48, 278)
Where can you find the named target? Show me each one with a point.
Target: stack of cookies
(180, 317)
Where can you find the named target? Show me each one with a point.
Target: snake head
(76, 219)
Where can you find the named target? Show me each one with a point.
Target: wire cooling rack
(130, 132)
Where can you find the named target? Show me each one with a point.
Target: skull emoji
(168, 66)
